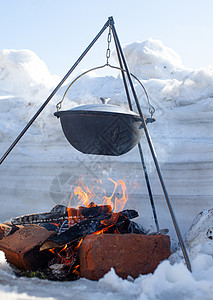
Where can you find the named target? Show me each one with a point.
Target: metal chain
(109, 39)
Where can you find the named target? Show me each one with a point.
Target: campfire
(55, 243)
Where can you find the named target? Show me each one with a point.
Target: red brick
(5, 230)
(22, 247)
(128, 254)
(8, 228)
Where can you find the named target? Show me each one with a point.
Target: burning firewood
(55, 253)
(91, 224)
(61, 213)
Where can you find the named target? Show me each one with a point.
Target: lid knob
(104, 100)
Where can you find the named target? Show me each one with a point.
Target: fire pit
(67, 243)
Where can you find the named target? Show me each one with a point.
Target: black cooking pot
(101, 129)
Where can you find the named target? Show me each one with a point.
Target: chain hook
(109, 39)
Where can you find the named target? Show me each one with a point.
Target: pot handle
(59, 104)
(151, 107)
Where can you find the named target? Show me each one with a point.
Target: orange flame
(83, 193)
(63, 249)
(118, 204)
(85, 196)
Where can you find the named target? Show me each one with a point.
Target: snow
(151, 59)
(21, 68)
(182, 137)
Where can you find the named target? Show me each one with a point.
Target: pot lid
(103, 108)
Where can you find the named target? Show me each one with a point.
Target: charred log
(89, 226)
(61, 213)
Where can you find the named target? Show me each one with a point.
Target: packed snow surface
(182, 137)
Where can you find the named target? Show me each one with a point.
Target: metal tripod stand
(126, 76)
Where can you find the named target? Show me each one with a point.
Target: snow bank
(196, 86)
(23, 73)
(167, 282)
(200, 235)
(152, 59)
(25, 83)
